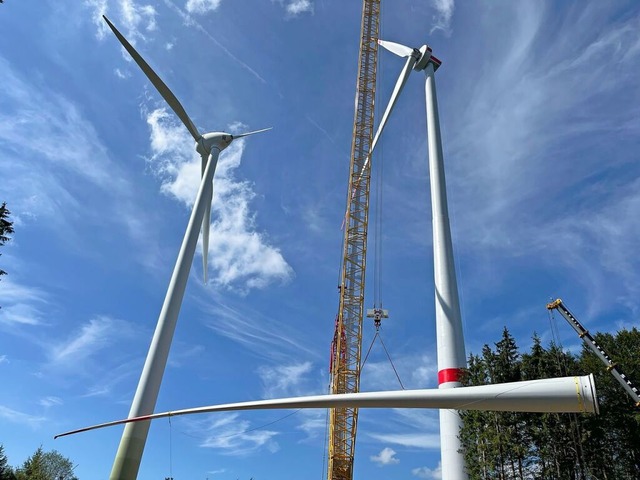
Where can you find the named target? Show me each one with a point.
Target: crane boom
(588, 339)
(347, 342)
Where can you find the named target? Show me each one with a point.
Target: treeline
(39, 466)
(506, 445)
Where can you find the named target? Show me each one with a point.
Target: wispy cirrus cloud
(417, 440)
(231, 435)
(50, 401)
(31, 107)
(263, 335)
(21, 304)
(59, 177)
(525, 157)
(241, 258)
(22, 418)
(284, 380)
(91, 338)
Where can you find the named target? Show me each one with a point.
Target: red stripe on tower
(449, 375)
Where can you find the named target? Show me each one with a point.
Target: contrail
(190, 21)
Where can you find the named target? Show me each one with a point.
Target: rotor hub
(209, 141)
(424, 53)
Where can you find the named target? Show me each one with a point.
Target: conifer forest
(507, 445)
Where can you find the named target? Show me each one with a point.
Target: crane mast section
(346, 352)
(588, 339)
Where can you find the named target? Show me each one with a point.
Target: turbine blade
(402, 80)
(398, 49)
(167, 94)
(560, 395)
(240, 135)
(205, 224)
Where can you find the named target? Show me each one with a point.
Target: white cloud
(99, 8)
(428, 473)
(50, 401)
(181, 353)
(387, 456)
(313, 422)
(93, 336)
(283, 380)
(133, 19)
(419, 440)
(442, 19)
(58, 177)
(21, 418)
(120, 74)
(3, 359)
(202, 6)
(233, 436)
(136, 17)
(59, 122)
(296, 7)
(22, 305)
(263, 334)
(216, 472)
(240, 257)
(111, 377)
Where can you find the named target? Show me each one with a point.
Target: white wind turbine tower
(209, 146)
(450, 341)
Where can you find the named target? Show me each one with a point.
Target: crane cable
(377, 232)
(377, 243)
(377, 335)
(170, 450)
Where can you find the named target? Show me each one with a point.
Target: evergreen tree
(6, 228)
(6, 472)
(613, 446)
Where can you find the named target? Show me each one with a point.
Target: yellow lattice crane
(347, 342)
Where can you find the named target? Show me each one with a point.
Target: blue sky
(540, 113)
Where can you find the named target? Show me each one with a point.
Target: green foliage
(6, 228)
(6, 472)
(509, 445)
(46, 466)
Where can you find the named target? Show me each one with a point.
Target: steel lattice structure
(347, 345)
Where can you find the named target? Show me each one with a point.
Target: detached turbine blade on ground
(560, 395)
(167, 94)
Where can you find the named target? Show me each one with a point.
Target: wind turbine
(209, 146)
(450, 340)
